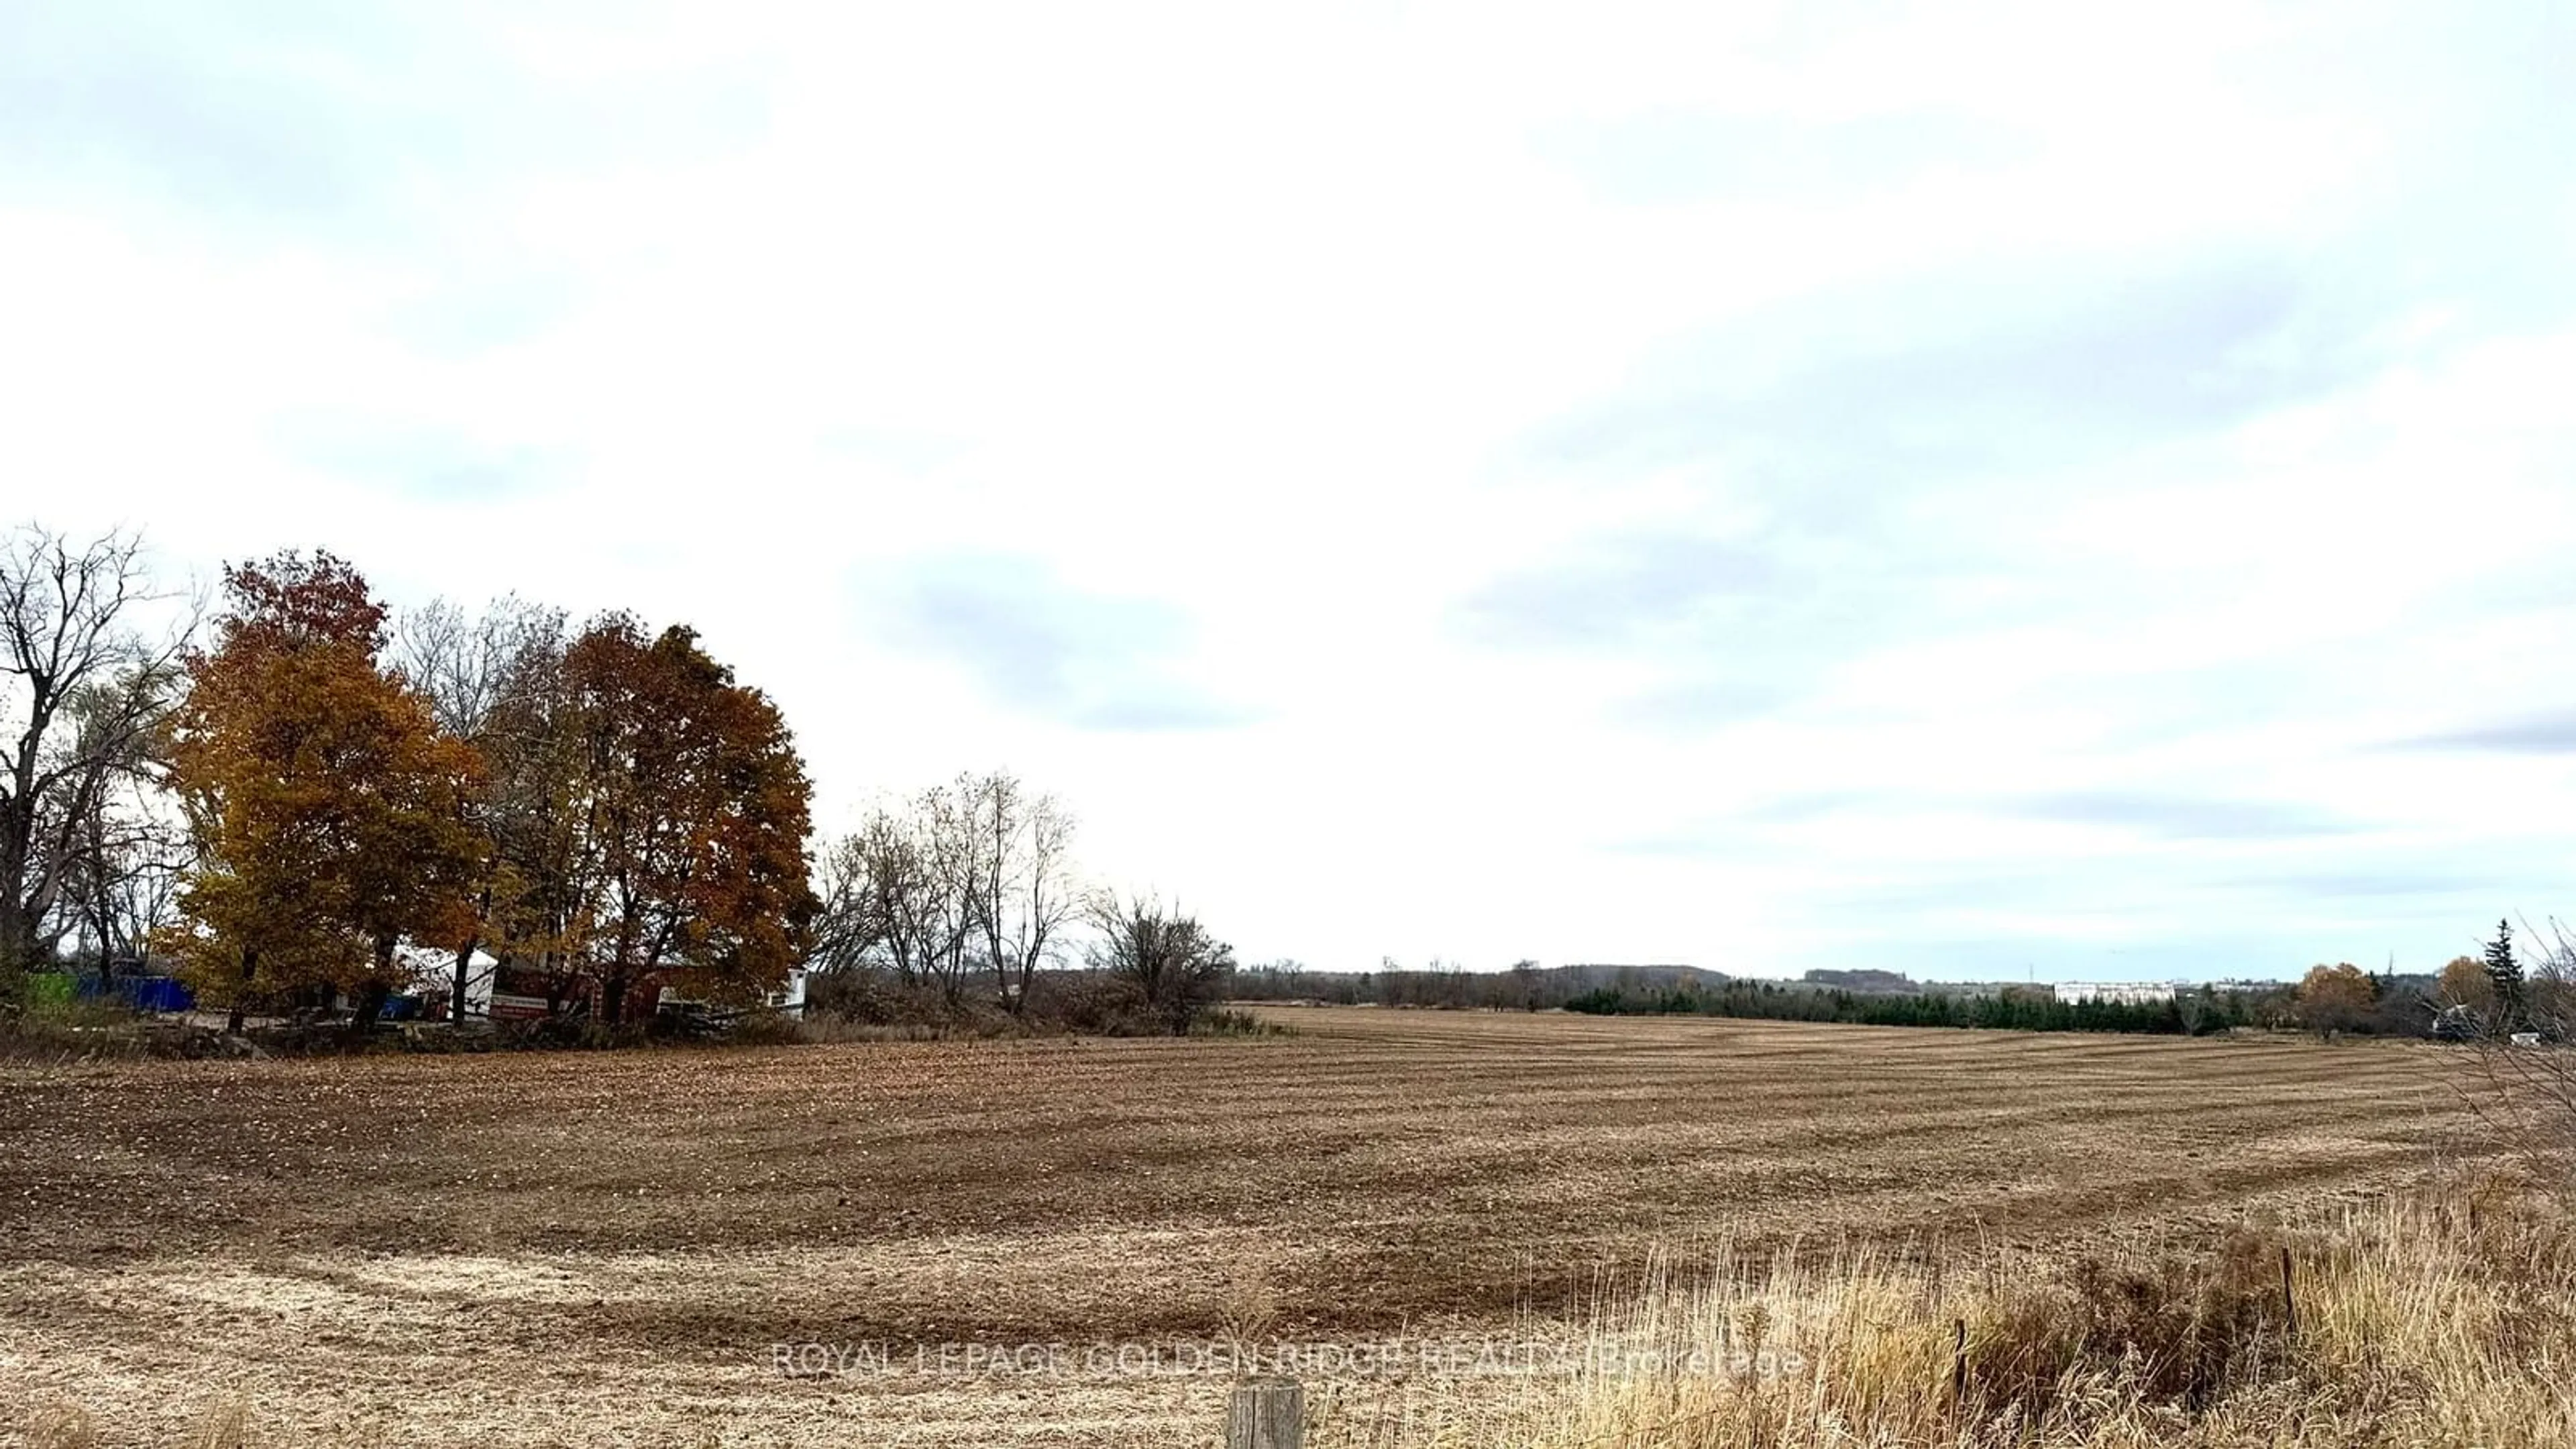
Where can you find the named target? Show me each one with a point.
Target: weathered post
(1959, 1362)
(1266, 1414)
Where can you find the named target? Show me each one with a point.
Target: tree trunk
(369, 1005)
(17, 937)
(241, 992)
(456, 1001)
(612, 1000)
(17, 923)
(370, 1002)
(102, 920)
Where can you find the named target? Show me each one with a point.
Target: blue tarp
(143, 993)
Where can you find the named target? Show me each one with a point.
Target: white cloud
(1536, 449)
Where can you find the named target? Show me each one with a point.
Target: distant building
(2121, 993)
(518, 993)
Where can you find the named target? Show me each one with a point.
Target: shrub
(1225, 1021)
(1093, 1005)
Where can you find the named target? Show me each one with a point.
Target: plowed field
(608, 1248)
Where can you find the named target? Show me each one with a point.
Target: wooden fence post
(1959, 1361)
(1266, 1414)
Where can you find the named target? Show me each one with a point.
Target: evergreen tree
(2505, 974)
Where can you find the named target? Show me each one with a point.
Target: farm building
(2121, 993)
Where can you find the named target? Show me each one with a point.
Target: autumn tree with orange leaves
(684, 835)
(2336, 998)
(330, 811)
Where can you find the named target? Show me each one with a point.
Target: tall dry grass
(2442, 1318)
(223, 1424)
(2446, 1319)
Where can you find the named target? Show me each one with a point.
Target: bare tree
(1171, 959)
(82, 690)
(129, 848)
(495, 681)
(472, 667)
(970, 877)
(895, 895)
(848, 922)
(1022, 887)
(139, 890)
(941, 913)
(2519, 1076)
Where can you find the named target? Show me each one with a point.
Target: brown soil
(604, 1248)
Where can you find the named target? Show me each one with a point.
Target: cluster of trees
(307, 798)
(1524, 986)
(2331, 1000)
(970, 891)
(84, 693)
(1174, 966)
(2472, 998)
(1859, 997)
(2013, 1008)
(970, 882)
(291, 805)
(292, 801)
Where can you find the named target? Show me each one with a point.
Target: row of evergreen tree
(2188, 1014)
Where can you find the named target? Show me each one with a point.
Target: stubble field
(608, 1248)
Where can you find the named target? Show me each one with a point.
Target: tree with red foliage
(328, 807)
(689, 820)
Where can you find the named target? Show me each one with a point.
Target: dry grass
(2413, 1327)
(603, 1248)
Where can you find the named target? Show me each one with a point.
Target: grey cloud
(322, 118)
(2376, 883)
(1618, 590)
(1710, 695)
(1737, 835)
(170, 97)
(2182, 817)
(1739, 628)
(1841, 420)
(2160, 815)
(1818, 403)
(1048, 648)
(2536, 735)
(428, 463)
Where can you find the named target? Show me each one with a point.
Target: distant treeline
(1526, 986)
(2014, 1009)
(2339, 999)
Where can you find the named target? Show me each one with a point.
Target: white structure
(2121, 993)
(520, 997)
(788, 1000)
(433, 975)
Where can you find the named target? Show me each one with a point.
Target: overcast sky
(1972, 490)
